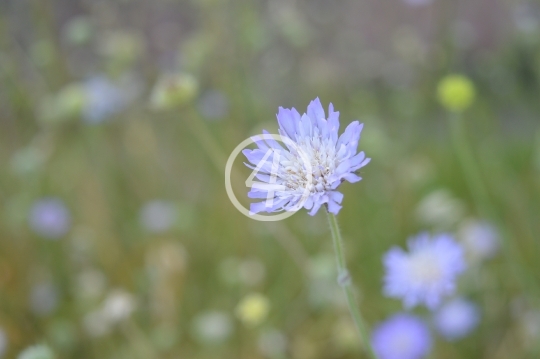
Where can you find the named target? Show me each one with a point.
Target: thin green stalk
(344, 280)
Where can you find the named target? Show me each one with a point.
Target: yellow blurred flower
(253, 309)
(456, 92)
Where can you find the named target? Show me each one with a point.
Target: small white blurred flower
(43, 298)
(480, 239)
(440, 209)
(272, 343)
(37, 352)
(158, 216)
(212, 327)
(3, 342)
(118, 305)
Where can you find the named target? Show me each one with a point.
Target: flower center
(321, 155)
(425, 268)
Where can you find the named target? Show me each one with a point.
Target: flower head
(403, 336)
(480, 239)
(253, 309)
(37, 352)
(456, 92)
(314, 162)
(50, 218)
(456, 319)
(425, 274)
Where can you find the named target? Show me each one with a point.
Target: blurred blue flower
(213, 105)
(314, 147)
(403, 336)
(456, 319)
(158, 216)
(50, 218)
(104, 99)
(480, 239)
(425, 274)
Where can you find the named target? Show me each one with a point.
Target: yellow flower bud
(456, 92)
(253, 309)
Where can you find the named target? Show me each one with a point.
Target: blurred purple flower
(105, 99)
(403, 336)
(213, 105)
(314, 147)
(158, 216)
(50, 218)
(425, 274)
(480, 239)
(456, 319)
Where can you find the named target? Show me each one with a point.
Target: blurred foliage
(123, 114)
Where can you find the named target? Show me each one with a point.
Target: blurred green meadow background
(118, 239)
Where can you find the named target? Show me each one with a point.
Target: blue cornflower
(311, 167)
(50, 218)
(425, 274)
(403, 336)
(456, 319)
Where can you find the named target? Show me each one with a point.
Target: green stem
(344, 280)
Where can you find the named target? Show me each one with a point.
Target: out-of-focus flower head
(480, 239)
(272, 343)
(332, 160)
(158, 216)
(105, 99)
(63, 106)
(253, 309)
(457, 318)
(118, 305)
(173, 90)
(427, 273)
(212, 327)
(456, 92)
(44, 298)
(440, 209)
(213, 105)
(37, 352)
(49, 218)
(402, 336)
(3, 342)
